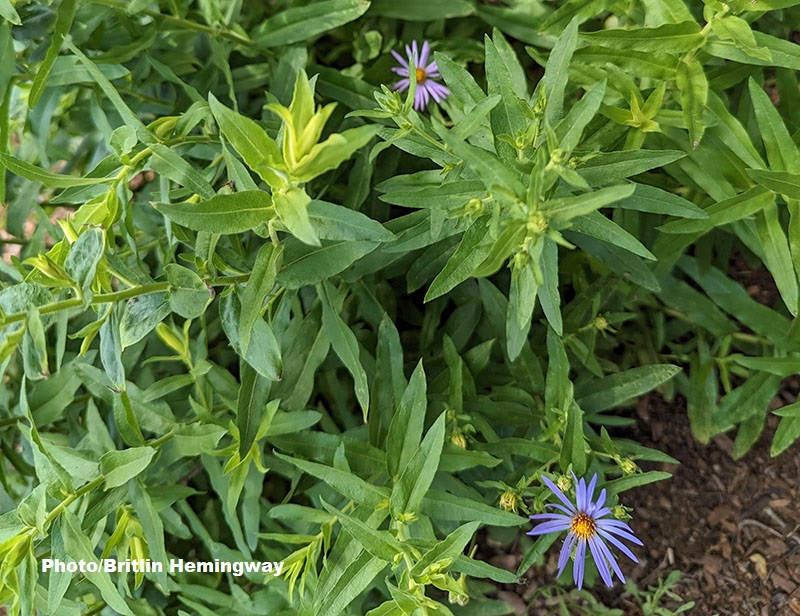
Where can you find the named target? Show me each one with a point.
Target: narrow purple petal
(438, 91)
(624, 531)
(415, 48)
(554, 526)
(561, 508)
(554, 489)
(599, 513)
(618, 544)
(577, 567)
(432, 68)
(400, 59)
(580, 495)
(400, 71)
(600, 560)
(590, 491)
(610, 558)
(601, 500)
(423, 57)
(551, 516)
(402, 85)
(566, 552)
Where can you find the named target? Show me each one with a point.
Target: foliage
(283, 316)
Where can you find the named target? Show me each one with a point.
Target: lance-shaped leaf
(563, 209)
(51, 180)
(473, 249)
(608, 167)
(417, 476)
(779, 182)
(64, 18)
(333, 152)
(345, 483)
(446, 551)
(262, 350)
(231, 213)
(345, 345)
(292, 207)
(251, 406)
(556, 73)
(611, 391)
(405, 429)
(259, 151)
(305, 22)
(693, 85)
(379, 543)
(676, 38)
(782, 153)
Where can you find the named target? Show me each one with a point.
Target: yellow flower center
(583, 526)
(421, 75)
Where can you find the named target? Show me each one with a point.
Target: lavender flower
(425, 73)
(587, 524)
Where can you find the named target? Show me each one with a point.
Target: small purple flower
(587, 524)
(425, 73)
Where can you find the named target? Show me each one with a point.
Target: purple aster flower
(425, 73)
(587, 523)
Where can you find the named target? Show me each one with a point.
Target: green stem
(85, 489)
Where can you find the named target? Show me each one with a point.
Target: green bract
(261, 310)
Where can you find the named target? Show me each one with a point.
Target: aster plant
(588, 524)
(425, 73)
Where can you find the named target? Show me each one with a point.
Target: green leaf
(251, 406)
(345, 345)
(777, 255)
(34, 346)
(379, 543)
(450, 548)
(111, 349)
(421, 10)
(782, 153)
(336, 222)
(51, 180)
(292, 207)
(304, 265)
(573, 449)
(345, 483)
(693, 86)
(78, 546)
(260, 284)
(152, 527)
(8, 12)
(723, 212)
(188, 294)
(779, 182)
(263, 350)
(611, 167)
(231, 213)
(65, 16)
(355, 579)
(611, 391)
(651, 199)
(141, 316)
(405, 429)
(549, 296)
(445, 506)
(302, 23)
(618, 486)
(417, 476)
(597, 225)
(564, 209)
(119, 467)
(676, 38)
(787, 432)
(470, 253)
(169, 164)
(84, 255)
(259, 151)
(333, 152)
(556, 73)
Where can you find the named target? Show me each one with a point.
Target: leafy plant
(264, 310)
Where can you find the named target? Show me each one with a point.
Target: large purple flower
(587, 523)
(425, 73)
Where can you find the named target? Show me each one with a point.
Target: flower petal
(590, 491)
(423, 56)
(402, 85)
(578, 566)
(400, 59)
(580, 494)
(618, 544)
(566, 552)
(554, 489)
(554, 526)
(600, 560)
(610, 558)
(618, 528)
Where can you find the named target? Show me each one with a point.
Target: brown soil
(731, 526)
